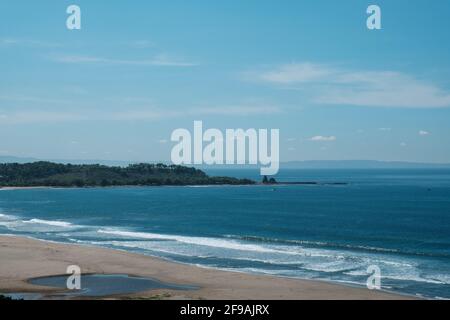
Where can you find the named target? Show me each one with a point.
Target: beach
(326, 233)
(24, 258)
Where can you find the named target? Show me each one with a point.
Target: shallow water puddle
(99, 285)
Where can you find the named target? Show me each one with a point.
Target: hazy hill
(361, 164)
(308, 164)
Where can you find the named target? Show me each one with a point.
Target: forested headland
(48, 174)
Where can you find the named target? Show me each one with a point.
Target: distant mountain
(12, 159)
(360, 164)
(307, 164)
(339, 164)
(113, 163)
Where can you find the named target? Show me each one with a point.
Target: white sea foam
(202, 241)
(307, 259)
(144, 245)
(17, 224)
(357, 273)
(320, 260)
(411, 277)
(54, 223)
(296, 252)
(6, 224)
(352, 282)
(444, 278)
(7, 217)
(282, 273)
(330, 267)
(7, 220)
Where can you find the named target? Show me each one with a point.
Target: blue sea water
(398, 220)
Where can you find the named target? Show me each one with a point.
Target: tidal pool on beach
(100, 285)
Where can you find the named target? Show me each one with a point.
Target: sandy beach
(22, 259)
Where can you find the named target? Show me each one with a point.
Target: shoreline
(279, 184)
(25, 188)
(27, 258)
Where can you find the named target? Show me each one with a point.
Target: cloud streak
(337, 86)
(15, 42)
(39, 117)
(158, 60)
(323, 138)
(147, 114)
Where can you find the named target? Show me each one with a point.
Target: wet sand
(22, 259)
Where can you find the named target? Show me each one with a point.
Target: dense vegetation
(68, 175)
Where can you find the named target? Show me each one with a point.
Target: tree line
(50, 174)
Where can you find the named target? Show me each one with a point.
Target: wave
(202, 241)
(7, 220)
(318, 260)
(332, 245)
(412, 275)
(141, 245)
(55, 223)
(7, 217)
(270, 252)
(227, 244)
(413, 278)
(349, 264)
(18, 224)
(310, 243)
(190, 252)
(293, 258)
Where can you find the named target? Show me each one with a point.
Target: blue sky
(116, 89)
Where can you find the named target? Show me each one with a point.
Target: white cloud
(403, 144)
(158, 60)
(147, 114)
(385, 129)
(136, 115)
(337, 86)
(156, 113)
(295, 73)
(424, 133)
(165, 60)
(323, 138)
(141, 44)
(236, 110)
(12, 42)
(39, 117)
(32, 99)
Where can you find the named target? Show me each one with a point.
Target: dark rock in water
(269, 181)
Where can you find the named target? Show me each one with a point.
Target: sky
(136, 71)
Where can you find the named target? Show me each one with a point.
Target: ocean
(398, 220)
